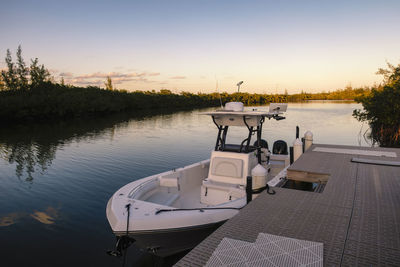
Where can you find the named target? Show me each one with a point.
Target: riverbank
(51, 101)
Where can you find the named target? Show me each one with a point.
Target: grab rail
(199, 209)
(134, 190)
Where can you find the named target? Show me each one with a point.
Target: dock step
(268, 250)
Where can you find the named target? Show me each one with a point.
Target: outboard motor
(264, 144)
(280, 147)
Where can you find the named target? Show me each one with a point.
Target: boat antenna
(216, 87)
(239, 84)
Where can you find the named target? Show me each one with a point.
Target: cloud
(98, 78)
(66, 74)
(154, 74)
(178, 77)
(85, 82)
(112, 75)
(122, 80)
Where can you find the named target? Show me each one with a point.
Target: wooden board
(305, 176)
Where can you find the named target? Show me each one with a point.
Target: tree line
(30, 93)
(18, 76)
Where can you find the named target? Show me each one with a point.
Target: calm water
(55, 180)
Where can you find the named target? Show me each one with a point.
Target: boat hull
(167, 242)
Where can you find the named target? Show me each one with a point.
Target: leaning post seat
(226, 177)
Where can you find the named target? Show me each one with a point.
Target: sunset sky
(189, 45)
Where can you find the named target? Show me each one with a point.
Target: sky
(206, 45)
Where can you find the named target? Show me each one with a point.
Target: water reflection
(46, 216)
(28, 155)
(32, 147)
(11, 218)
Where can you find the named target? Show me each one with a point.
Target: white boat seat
(213, 193)
(162, 198)
(220, 185)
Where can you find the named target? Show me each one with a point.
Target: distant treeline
(30, 93)
(51, 100)
(259, 99)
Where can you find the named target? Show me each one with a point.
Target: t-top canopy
(237, 118)
(254, 118)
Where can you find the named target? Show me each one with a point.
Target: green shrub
(382, 109)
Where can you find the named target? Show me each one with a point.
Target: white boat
(173, 211)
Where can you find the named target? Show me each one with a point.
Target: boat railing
(140, 186)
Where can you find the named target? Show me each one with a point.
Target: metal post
(291, 155)
(259, 144)
(249, 189)
(249, 138)
(218, 138)
(224, 137)
(219, 133)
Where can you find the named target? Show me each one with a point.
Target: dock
(356, 216)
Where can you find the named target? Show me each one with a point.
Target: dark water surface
(55, 179)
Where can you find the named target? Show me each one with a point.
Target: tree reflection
(27, 155)
(32, 147)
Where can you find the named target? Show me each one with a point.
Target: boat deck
(356, 217)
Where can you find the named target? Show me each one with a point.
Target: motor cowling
(280, 147)
(263, 143)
